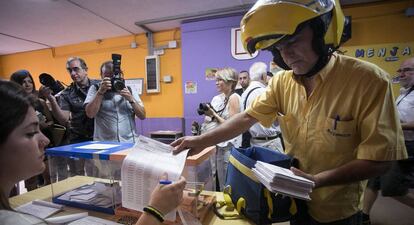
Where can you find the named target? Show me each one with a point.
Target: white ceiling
(27, 25)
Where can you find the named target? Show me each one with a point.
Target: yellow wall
(167, 103)
(379, 23)
(378, 26)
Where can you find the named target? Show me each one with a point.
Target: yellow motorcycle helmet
(269, 21)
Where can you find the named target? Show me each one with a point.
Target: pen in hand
(336, 122)
(165, 182)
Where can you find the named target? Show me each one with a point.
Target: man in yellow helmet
(336, 113)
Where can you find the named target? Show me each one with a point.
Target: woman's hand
(210, 112)
(167, 197)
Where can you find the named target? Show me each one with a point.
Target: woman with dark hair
(25, 79)
(22, 147)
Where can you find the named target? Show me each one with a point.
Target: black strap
(247, 97)
(226, 100)
(409, 91)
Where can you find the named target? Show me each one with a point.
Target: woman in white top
(22, 152)
(225, 105)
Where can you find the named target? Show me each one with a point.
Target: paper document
(142, 169)
(39, 208)
(66, 219)
(97, 194)
(282, 180)
(91, 220)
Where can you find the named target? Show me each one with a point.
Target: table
(45, 193)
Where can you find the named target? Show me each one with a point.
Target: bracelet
(131, 102)
(154, 212)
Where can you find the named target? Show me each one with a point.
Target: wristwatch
(131, 102)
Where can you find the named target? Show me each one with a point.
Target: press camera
(50, 82)
(203, 108)
(117, 82)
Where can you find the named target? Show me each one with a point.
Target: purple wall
(207, 44)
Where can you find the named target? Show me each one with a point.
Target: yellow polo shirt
(350, 115)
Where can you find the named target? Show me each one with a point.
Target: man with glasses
(396, 182)
(70, 110)
(336, 113)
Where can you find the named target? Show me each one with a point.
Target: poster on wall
(190, 87)
(210, 73)
(135, 84)
(237, 50)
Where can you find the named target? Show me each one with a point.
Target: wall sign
(387, 52)
(237, 50)
(135, 84)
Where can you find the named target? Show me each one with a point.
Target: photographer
(113, 108)
(69, 111)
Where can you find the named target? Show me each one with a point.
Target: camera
(48, 81)
(117, 82)
(203, 108)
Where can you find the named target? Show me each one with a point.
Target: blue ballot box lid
(89, 149)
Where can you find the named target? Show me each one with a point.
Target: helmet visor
(269, 21)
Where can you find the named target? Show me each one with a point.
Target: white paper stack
(281, 180)
(39, 208)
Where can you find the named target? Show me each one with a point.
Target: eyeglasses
(404, 70)
(76, 69)
(286, 42)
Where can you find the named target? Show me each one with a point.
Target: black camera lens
(202, 108)
(48, 81)
(117, 84)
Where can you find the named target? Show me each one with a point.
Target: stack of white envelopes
(283, 181)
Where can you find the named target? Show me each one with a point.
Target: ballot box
(97, 185)
(198, 168)
(96, 168)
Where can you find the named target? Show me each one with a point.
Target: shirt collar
(325, 71)
(405, 90)
(256, 83)
(87, 87)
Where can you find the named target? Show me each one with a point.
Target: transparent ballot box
(198, 168)
(83, 175)
(88, 175)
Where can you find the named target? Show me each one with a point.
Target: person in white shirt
(395, 183)
(261, 136)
